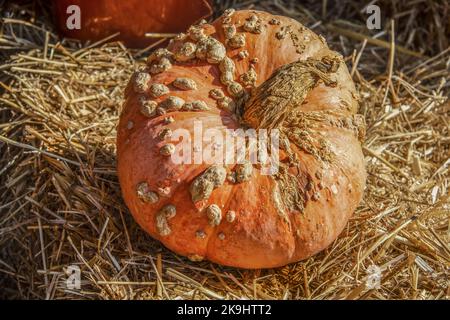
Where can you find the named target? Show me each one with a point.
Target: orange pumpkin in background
(248, 69)
(132, 18)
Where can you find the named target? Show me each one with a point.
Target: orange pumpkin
(248, 69)
(132, 18)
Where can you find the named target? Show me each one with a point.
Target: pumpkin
(132, 18)
(246, 70)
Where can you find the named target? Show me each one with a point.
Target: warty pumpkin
(247, 69)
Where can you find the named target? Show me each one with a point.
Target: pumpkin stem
(285, 90)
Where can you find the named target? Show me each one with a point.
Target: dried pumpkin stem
(285, 90)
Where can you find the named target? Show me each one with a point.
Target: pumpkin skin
(132, 18)
(261, 235)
